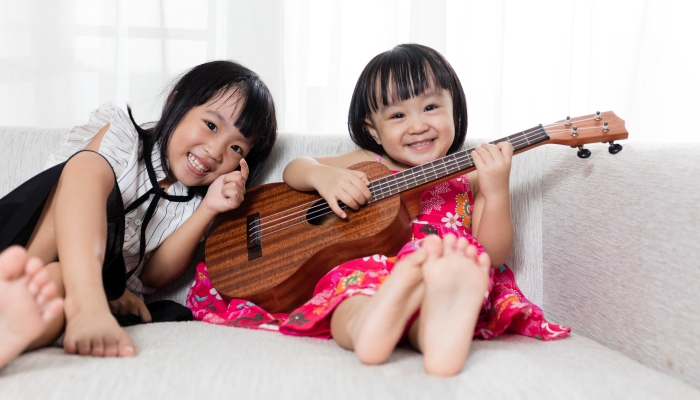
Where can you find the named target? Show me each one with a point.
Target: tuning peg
(598, 117)
(583, 153)
(614, 148)
(574, 131)
(606, 128)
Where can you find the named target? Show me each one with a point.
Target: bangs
(254, 111)
(401, 75)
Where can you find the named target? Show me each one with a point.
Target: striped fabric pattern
(120, 147)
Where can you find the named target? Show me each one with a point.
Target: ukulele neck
(446, 167)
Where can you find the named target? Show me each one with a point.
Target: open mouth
(423, 143)
(196, 164)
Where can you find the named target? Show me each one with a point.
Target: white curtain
(521, 63)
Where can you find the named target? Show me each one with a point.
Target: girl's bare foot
(93, 331)
(455, 285)
(382, 318)
(27, 302)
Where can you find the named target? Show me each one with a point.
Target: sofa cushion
(193, 360)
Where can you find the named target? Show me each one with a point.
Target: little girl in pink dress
(408, 109)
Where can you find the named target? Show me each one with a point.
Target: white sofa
(606, 245)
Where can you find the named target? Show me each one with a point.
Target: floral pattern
(505, 308)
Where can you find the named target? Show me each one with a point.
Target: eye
(211, 126)
(237, 149)
(397, 116)
(431, 107)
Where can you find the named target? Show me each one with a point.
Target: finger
(361, 175)
(364, 192)
(244, 169)
(144, 313)
(484, 153)
(495, 152)
(356, 194)
(506, 149)
(349, 201)
(336, 209)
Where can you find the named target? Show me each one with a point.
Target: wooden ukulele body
(296, 254)
(294, 251)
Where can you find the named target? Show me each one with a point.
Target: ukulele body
(296, 253)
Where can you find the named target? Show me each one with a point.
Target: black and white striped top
(120, 147)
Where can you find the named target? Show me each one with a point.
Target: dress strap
(157, 193)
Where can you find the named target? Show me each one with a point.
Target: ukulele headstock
(600, 127)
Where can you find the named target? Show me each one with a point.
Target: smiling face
(417, 130)
(206, 144)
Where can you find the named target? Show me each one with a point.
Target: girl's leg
(74, 227)
(455, 285)
(372, 326)
(27, 302)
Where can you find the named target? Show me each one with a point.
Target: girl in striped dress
(121, 208)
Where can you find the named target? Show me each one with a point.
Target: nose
(417, 124)
(215, 148)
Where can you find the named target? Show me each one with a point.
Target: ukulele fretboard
(448, 165)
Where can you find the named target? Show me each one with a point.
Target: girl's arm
(492, 225)
(173, 256)
(330, 177)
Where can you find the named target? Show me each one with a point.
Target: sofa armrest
(620, 250)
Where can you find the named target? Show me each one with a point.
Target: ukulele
(275, 247)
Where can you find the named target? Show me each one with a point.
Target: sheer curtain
(521, 63)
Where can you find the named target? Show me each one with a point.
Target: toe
(110, 347)
(84, 347)
(126, 347)
(53, 309)
(12, 262)
(461, 245)
(449, 242)
(432, 245)
(484, 261)
(98, 347)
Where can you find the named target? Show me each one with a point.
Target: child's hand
(130, 303)
(493, 165)
(227, 191)
(340, 184)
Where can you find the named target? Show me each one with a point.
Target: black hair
(256, 119)
(404, 72)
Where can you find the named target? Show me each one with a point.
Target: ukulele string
(324, 207)
(262, 232)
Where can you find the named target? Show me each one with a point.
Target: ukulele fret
(448, 165)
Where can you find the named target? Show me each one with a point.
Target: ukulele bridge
(254, 236)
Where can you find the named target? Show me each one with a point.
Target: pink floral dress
(445, 208)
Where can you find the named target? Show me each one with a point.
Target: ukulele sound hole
(321, 214)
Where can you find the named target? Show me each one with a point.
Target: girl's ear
(372, 130)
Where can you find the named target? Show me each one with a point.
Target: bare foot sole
(455, 285)
(27, 302)
(383, 317)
